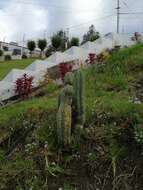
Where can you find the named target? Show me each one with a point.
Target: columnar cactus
(78, 98)
(64, 115)
(71, 109)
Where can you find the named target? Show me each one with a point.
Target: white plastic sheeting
(77, 53)
(14, 74)
(6, 90)
(120, 39)
(59, 57)
(89, 47)
(37, 65)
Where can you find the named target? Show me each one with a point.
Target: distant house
(16, 51)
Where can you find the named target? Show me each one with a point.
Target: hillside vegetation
(105, 155)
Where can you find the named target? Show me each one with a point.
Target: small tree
(31, 46)
(56, 41)
(1, 53)
(74, 42)
(42, 43)
(91, 35)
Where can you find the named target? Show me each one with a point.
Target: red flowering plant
(64, 68)
(91, 58)
(23, 86)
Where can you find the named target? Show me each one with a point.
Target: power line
(98, 19)
(132, 13)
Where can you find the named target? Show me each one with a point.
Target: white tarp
(120, 39)
(77, 53)
(89, 47)
(6, 90)
(37, 65)
(59, 57)
(14, 74)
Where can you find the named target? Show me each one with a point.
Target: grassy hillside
(6, 66)
(107, 154)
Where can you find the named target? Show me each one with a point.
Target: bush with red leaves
(91, 58)
(64, 68)
(24, 86)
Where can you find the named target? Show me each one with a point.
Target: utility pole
(118, 16)
(23, 41)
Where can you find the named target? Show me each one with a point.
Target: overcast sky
(40, 18)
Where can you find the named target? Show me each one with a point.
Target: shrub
(1, 53)
(7, 57)
(74, 42)
(91, 58)
(64, 68)
(24, 56)
(31, 46)
(24, 86)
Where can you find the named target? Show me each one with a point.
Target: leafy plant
(23, 86)
(91, 58)
(115, 152)
(64, 68)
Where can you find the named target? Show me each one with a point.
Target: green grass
(6, 66)
(109, 88)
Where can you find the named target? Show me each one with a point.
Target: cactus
(78, 99)
(69, 78)
(71, 109)
(64, 115)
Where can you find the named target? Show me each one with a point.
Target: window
(16, 52)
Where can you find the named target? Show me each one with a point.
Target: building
(16, 51)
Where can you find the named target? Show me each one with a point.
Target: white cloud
(18, 19)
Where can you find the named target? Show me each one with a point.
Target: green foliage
(59, 40)
(74, 42)
(54, 169)
(31, 46)
(42, 43)
(1, 53)
(115, 153)
(56, 41)
(78, 98)
(91, 35)
(7, 57)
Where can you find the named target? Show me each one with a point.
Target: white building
(16, 51)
